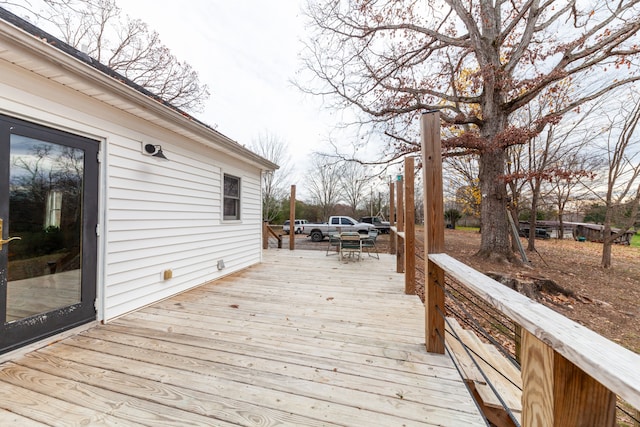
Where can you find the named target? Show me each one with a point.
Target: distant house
(595, 233)
(119, 199)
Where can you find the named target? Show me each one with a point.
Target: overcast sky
(246, 52)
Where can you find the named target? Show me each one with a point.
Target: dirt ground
(606, 301)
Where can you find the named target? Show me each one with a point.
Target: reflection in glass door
(45, 211)
(48, 211)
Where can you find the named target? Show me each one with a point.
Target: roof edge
(53, 49)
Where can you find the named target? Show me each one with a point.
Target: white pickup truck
(298, 226)
(318, 232)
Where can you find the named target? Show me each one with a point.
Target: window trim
(238, 199)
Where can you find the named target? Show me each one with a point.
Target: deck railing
(570, 375)
(267, 233)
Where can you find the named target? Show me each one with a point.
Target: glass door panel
(45, 211)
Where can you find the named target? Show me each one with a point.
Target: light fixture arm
(154, 150)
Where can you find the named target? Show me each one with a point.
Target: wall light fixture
(154, 150)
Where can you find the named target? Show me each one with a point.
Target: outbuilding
(595, 233)
(110, 199)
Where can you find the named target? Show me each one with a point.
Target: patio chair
(334, 242)
(350, 244)
(369, 244)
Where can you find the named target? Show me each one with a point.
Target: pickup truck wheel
(316, 236)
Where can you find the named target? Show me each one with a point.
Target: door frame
(17, 334)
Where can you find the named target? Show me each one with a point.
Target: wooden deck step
(497, 369)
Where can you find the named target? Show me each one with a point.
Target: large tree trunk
(533, 218)
(494, 242)
(561, 226)
(512, 207)
(607, 241)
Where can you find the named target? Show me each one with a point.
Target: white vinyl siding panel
(155, 214)
(167, 215)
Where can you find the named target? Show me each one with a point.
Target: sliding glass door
(48, 214)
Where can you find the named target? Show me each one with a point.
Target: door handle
(4, 242)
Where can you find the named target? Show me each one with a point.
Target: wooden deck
(301, 339)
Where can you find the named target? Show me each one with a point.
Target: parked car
(381, 226)
(318, 232)
(541, 233)
(298, 226)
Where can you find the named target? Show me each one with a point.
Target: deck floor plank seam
(248, 328)
(283, 385)
(136, 411)
(334, 406)
(270, 315)
(273, 315)
(445, 370)
(10, 418)
(278, 364)
(390, 370)
(300, 339)
(346, 352)
(219, 409)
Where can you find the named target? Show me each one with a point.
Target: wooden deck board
(8, 418)
(301, 339)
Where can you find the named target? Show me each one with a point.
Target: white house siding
(156, 215)
(167, 215)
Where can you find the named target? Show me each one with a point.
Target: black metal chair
(334, 242)
(350, 244)
(369, 243)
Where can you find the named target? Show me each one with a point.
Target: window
(231, 209)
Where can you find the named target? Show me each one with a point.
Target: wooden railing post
(392, 218)
(409, 228)
(292, 219)
(433, 231)
(265, 234)
(400, 225)
(557, 393)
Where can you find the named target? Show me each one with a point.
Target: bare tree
(323, 183)
(127, 46)
(461, 174)
(478, 62)
(29, 7)
(622, 198)
(275, 185)
(531, 166)
(557, 141)
(353, 182)
(565, 185)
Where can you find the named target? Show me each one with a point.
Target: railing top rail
(614, 366)
(399, 233)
